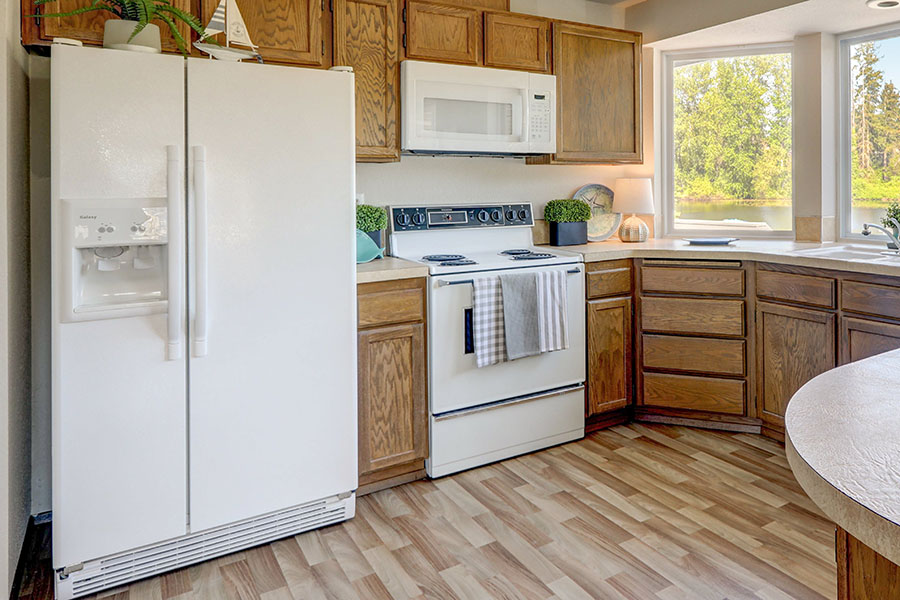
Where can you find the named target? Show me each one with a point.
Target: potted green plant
(372, 220)
(568, 221)
(133, 30)
(893, 212)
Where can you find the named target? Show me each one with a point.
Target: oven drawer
(487, 434)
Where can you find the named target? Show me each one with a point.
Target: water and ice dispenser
(117, 251)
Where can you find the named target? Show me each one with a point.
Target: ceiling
(619, 3)
(783, 24)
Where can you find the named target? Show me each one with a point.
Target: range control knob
(496, 215)
(523, 214)
(510, 215)
(402, 219)
(419, 219)
(483, 216)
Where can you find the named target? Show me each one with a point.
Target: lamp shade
(633, 197)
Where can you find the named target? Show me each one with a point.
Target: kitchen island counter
(843, 445)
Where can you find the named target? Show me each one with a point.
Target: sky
(889, 51)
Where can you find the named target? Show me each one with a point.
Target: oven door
(452, 108)
(456, 383)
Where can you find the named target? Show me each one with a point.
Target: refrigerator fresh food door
(273, 276)
(119, 386)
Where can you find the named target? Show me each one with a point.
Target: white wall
(15, 350)
(662, 19)
(447, 180)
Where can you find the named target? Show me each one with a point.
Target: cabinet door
(598, 82)
(88, 27)
(861, 338)
(793, 345)
(514, 41)
(609, 355)
(393, 409)
(288, 32)
(365, 37)
(441, 33)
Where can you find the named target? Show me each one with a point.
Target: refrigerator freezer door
(273, 389)
(119, 431)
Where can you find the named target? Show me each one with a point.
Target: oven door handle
(444, 282)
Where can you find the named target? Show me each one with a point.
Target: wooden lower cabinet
(861, 338)
(609, 367)
(862, 573)
(793, 345)
(393, 396)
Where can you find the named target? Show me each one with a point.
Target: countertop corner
(389, 269)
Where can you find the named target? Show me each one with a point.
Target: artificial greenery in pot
(893, 212)
(133, 26)
(372, 220)
(568, 221)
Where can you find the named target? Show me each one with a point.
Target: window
(727, 165)
(870, 128)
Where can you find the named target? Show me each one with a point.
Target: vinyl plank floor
(639, 511)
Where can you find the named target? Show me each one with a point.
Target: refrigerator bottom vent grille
(119, 569)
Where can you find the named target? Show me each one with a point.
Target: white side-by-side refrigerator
(204, 309)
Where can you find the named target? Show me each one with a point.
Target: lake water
(779, 218)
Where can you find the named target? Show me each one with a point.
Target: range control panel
(414, 218)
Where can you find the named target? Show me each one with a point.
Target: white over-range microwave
(452, 109)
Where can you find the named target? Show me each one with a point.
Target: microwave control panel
(409, 218)
(539, 111)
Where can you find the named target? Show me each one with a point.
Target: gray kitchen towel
(553, 300)
(487, 321)
(521, 316)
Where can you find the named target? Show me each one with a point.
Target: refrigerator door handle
(175, 254)
(201, 314)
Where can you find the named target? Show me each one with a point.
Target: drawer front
(609, 279)
(391, 302)
(719, 357)
(695, 393)
(721, 282)
(790, 287)
(870, 299)
(692, 315)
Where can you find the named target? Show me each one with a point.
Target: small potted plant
(133, 26)
(372, 220)
(568, 221)
(893, 212)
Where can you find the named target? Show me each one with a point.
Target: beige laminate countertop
(843, 445)
(389, 269)
(802, 254)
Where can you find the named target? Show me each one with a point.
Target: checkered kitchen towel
(487, 317)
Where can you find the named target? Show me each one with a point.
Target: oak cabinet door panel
(366, 38)
(443, 33)
(286, 31)
(609, 355)
(513, 41)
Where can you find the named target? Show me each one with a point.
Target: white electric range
(482, 415)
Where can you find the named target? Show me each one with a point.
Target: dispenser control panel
(118, 225)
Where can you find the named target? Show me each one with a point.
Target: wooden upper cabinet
(87, 27)
(793, 345)
(286, 31)
(513, 41)
(442, 32)
(366, 37)
(598, 82)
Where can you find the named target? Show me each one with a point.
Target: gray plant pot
(568, 234)
(377, 237)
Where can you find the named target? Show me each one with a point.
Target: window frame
(667, 117)
(844, 171)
